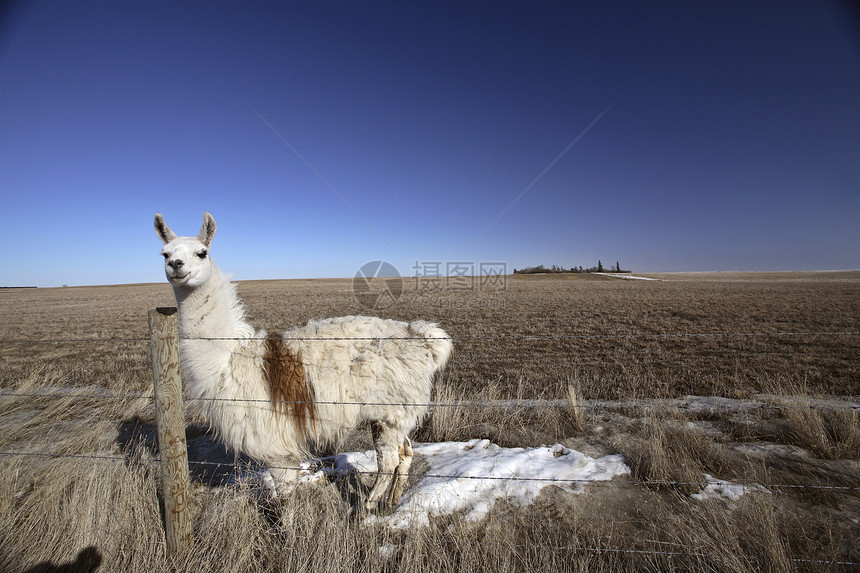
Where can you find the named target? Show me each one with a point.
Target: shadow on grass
(209, 463)
(88, 561)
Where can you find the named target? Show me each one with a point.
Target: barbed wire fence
(768, 404)
(655, 335)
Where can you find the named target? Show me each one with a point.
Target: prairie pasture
(732, 397)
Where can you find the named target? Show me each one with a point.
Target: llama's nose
(176, 263)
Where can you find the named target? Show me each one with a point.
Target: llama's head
(186, 259)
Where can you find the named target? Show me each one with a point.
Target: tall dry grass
(828, 432)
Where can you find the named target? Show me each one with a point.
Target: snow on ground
(629, 277)
(471, 476)
(725, 490)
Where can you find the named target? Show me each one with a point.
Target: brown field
(617, 358)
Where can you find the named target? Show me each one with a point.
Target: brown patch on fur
(288, 386)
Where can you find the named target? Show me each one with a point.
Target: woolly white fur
(360, 368)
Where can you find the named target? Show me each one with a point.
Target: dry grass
(829, 433)
(579, 342)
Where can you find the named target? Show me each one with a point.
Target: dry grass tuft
(576, 413)
(51, 512)
(828, 432)
(660, 458)
(667, 451)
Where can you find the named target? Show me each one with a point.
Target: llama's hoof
(391, 503)
(383, 507)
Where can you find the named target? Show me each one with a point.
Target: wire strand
(286, 336)
(512, 404)
(318, 467)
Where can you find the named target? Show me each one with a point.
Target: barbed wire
(73, 340)
(113, 458)
(572, 548)
(320, 467)
(696, 554)
(519, 337)
(586, 549)
(502, 404)
(762, 402)
(623, 551)
(653, 483)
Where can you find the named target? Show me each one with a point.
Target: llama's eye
(202, 254)
(165, 255)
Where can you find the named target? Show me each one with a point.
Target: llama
(273, 397)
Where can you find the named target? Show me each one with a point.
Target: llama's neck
(212, 310)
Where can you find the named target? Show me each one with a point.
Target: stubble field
(698, 380)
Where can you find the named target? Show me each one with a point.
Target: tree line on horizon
(541, 269)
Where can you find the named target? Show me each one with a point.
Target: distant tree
(617, 267)
(599, 267)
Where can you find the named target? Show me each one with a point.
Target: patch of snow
(628, 277)
(771, 450)
(717, 404)
(471, 476)
(386, 551)
(467, 477)
(307, 475)
(725, 490)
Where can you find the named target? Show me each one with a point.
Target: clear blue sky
(324, 135)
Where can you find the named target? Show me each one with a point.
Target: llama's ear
(207, 231)
(163, 230)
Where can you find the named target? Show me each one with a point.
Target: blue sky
(699, 136)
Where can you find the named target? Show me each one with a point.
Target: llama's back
(370, 368)
(437, 340)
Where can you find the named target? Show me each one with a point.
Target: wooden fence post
(169, 416)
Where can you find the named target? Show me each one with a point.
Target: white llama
(272, 396)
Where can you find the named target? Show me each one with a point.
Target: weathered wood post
(164, 342)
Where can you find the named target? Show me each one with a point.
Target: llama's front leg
(401, 474)
(285, 475)
(386, 441)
